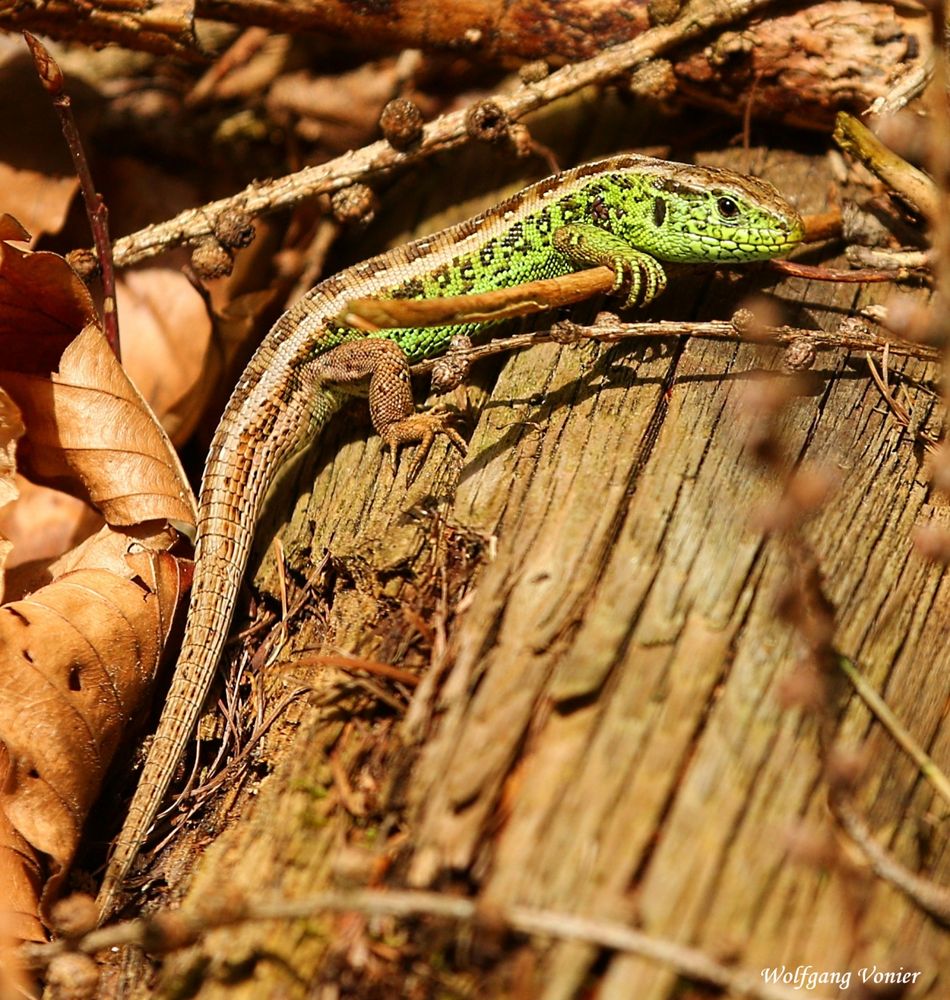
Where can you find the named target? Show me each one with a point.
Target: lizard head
(710, 214)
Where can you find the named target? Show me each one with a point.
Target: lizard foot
(638, 280)
(638, 277)
(419, 428)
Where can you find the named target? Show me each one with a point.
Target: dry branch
(609, 329)
(51, 76)
(911, 184)
(446, 131)
(165, 27)
(802, 65)
(167, 931)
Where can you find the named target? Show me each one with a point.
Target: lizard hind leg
(379, 368)
(638, 276)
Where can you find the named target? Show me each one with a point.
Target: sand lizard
(627, 212)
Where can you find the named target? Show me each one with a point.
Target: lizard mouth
(752, 243)
(796, 232)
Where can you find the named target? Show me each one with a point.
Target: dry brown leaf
(90, 434)
(43, 304)
(42, 525)
(21, 872)
(108, 549)
(11, 430)
(88, 431)
(166, 332)
(11, 229)
(79, 657)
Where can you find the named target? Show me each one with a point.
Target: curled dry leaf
(11, 429)
(77, 656)
(43, 304)
(41, 526)
(91, 435)
(166, 333)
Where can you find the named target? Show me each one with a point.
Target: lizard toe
(421, 429)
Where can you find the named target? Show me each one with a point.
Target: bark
(800, 67)
(605, 729)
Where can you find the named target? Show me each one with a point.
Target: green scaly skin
(628, 212)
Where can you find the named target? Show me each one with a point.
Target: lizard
(629, 212)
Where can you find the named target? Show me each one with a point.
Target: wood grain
(606, 730)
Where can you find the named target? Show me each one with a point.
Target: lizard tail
(248, 450)
(213, 597)
(193, 676)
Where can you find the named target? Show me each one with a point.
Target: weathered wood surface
(604, 733)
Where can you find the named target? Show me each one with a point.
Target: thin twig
(237, 55)
(445, 131)
(688, 962)
(371, 313)
(883, 713)
(354, 663)
(900, 412)
(51, 76)
(609, 329)
(866, 275)
(929, 896)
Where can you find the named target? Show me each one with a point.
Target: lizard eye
(728, 209)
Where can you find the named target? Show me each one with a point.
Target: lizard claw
(421, 429)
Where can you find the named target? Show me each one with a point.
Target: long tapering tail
(213, 597)
(263, 424)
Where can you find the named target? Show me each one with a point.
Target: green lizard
(627, 212)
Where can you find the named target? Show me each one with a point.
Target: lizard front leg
(379, 368)
(587, 245)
